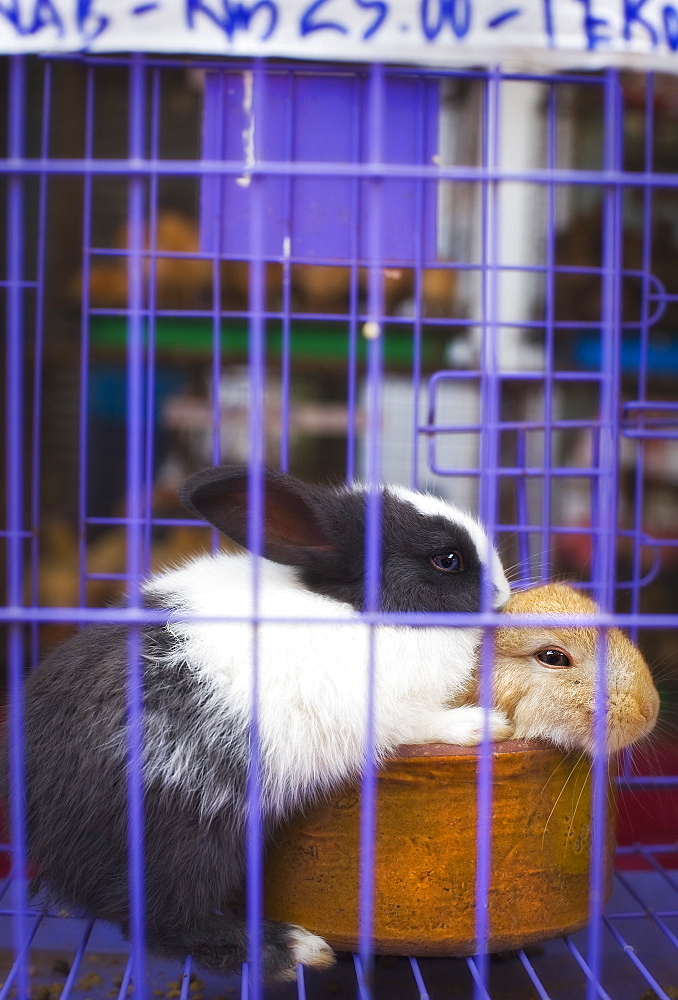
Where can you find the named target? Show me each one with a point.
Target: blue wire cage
(457, 280)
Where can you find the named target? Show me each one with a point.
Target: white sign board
(576, 33)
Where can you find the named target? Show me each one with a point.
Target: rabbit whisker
(560, 793)
(576, 804)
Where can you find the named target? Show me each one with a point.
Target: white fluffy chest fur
(312, 673)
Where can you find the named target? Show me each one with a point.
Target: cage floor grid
(70, 957)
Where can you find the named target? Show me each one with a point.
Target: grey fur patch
(76, 781)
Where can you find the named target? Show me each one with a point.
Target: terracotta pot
(425, 865)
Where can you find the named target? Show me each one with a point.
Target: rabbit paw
(309, 949)
(473, 729)
(464, 726)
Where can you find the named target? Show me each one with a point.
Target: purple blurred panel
(327, 129)
(411, 113)
(317, 118)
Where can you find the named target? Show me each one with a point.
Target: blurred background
(494, 301)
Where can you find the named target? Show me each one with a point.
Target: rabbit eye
(447, 562)
(554, 658)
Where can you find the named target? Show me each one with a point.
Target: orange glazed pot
(425, 860)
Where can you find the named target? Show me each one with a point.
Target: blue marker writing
(308, 21)
(380, 11)
(632, 15)
(548, 23)
(670, 18)
(91, 23)
(43, 15)
(507, 15)
(435, 14)
(234, 17)
(594, 28)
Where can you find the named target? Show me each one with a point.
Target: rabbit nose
(650, 708)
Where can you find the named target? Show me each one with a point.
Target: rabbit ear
(291, 524)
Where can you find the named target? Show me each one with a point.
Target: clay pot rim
(441, 750)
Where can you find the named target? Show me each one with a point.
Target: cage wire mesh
(460, 281)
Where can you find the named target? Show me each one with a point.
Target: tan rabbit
(544, 678)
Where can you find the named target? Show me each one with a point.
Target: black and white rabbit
(197, 701)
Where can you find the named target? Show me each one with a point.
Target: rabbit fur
(313, 662)
(558, 703)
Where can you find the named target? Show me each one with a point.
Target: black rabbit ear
(291, 525)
